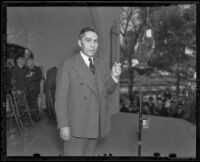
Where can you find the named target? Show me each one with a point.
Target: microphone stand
(141, 68)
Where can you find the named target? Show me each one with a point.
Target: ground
(164, 135)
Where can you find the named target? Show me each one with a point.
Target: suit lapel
(85, 73)
(99, 75)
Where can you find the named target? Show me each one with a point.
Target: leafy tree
(174, 30)
(134, 22)
(173, 33)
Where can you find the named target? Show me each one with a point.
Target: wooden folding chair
(22, 108)
(12, 113)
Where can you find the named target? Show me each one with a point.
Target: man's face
(89, 43)
(22, 61)
(27, 54)
(29, 62)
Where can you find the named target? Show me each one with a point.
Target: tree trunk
(177, 84)
(131, 82)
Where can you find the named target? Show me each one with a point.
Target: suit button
(85, 98)
(81, 83)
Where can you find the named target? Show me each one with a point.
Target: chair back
(10, 108)
(12, 111)
(20, 102)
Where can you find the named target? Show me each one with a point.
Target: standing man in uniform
(82, 87)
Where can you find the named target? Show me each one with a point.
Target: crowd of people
(162, 103)
(24, 76)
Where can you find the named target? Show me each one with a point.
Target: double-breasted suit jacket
(81, 98)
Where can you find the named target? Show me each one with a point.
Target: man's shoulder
(70, 60)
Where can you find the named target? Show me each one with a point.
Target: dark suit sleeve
(62, 88)
(110, 83)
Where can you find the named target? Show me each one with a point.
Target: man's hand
(116, 70)
(65, 133)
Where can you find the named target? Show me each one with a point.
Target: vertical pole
(115, 31)
(111, 46)
(140, 120)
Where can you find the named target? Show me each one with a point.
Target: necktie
(91, 65)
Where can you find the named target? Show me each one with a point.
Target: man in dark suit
(50, 85)
(82, 89)
(34, 77)
(18, 76)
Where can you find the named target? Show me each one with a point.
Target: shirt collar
(86, 58)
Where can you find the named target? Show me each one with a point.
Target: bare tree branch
(128, 20)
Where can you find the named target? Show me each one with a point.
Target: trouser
(49, 106)
(32, 99)
(80, 146)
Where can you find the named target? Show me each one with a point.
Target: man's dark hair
(20, 55)
(87, 29)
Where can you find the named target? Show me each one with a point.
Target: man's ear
(79, 43)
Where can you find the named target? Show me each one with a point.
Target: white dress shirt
(86, 60)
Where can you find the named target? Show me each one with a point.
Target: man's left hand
(116, 70)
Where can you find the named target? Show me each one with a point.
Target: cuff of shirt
(115, 79)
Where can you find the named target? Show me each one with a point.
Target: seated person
(125, 104)
(179, 113)
(172, 108)
(146, 109)
(161, 96)
(164, 110)
(167, 93)
(124, 108)
(159, 106)
(135, 108)
(34, 77)
(167, 107)
(151, 105)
